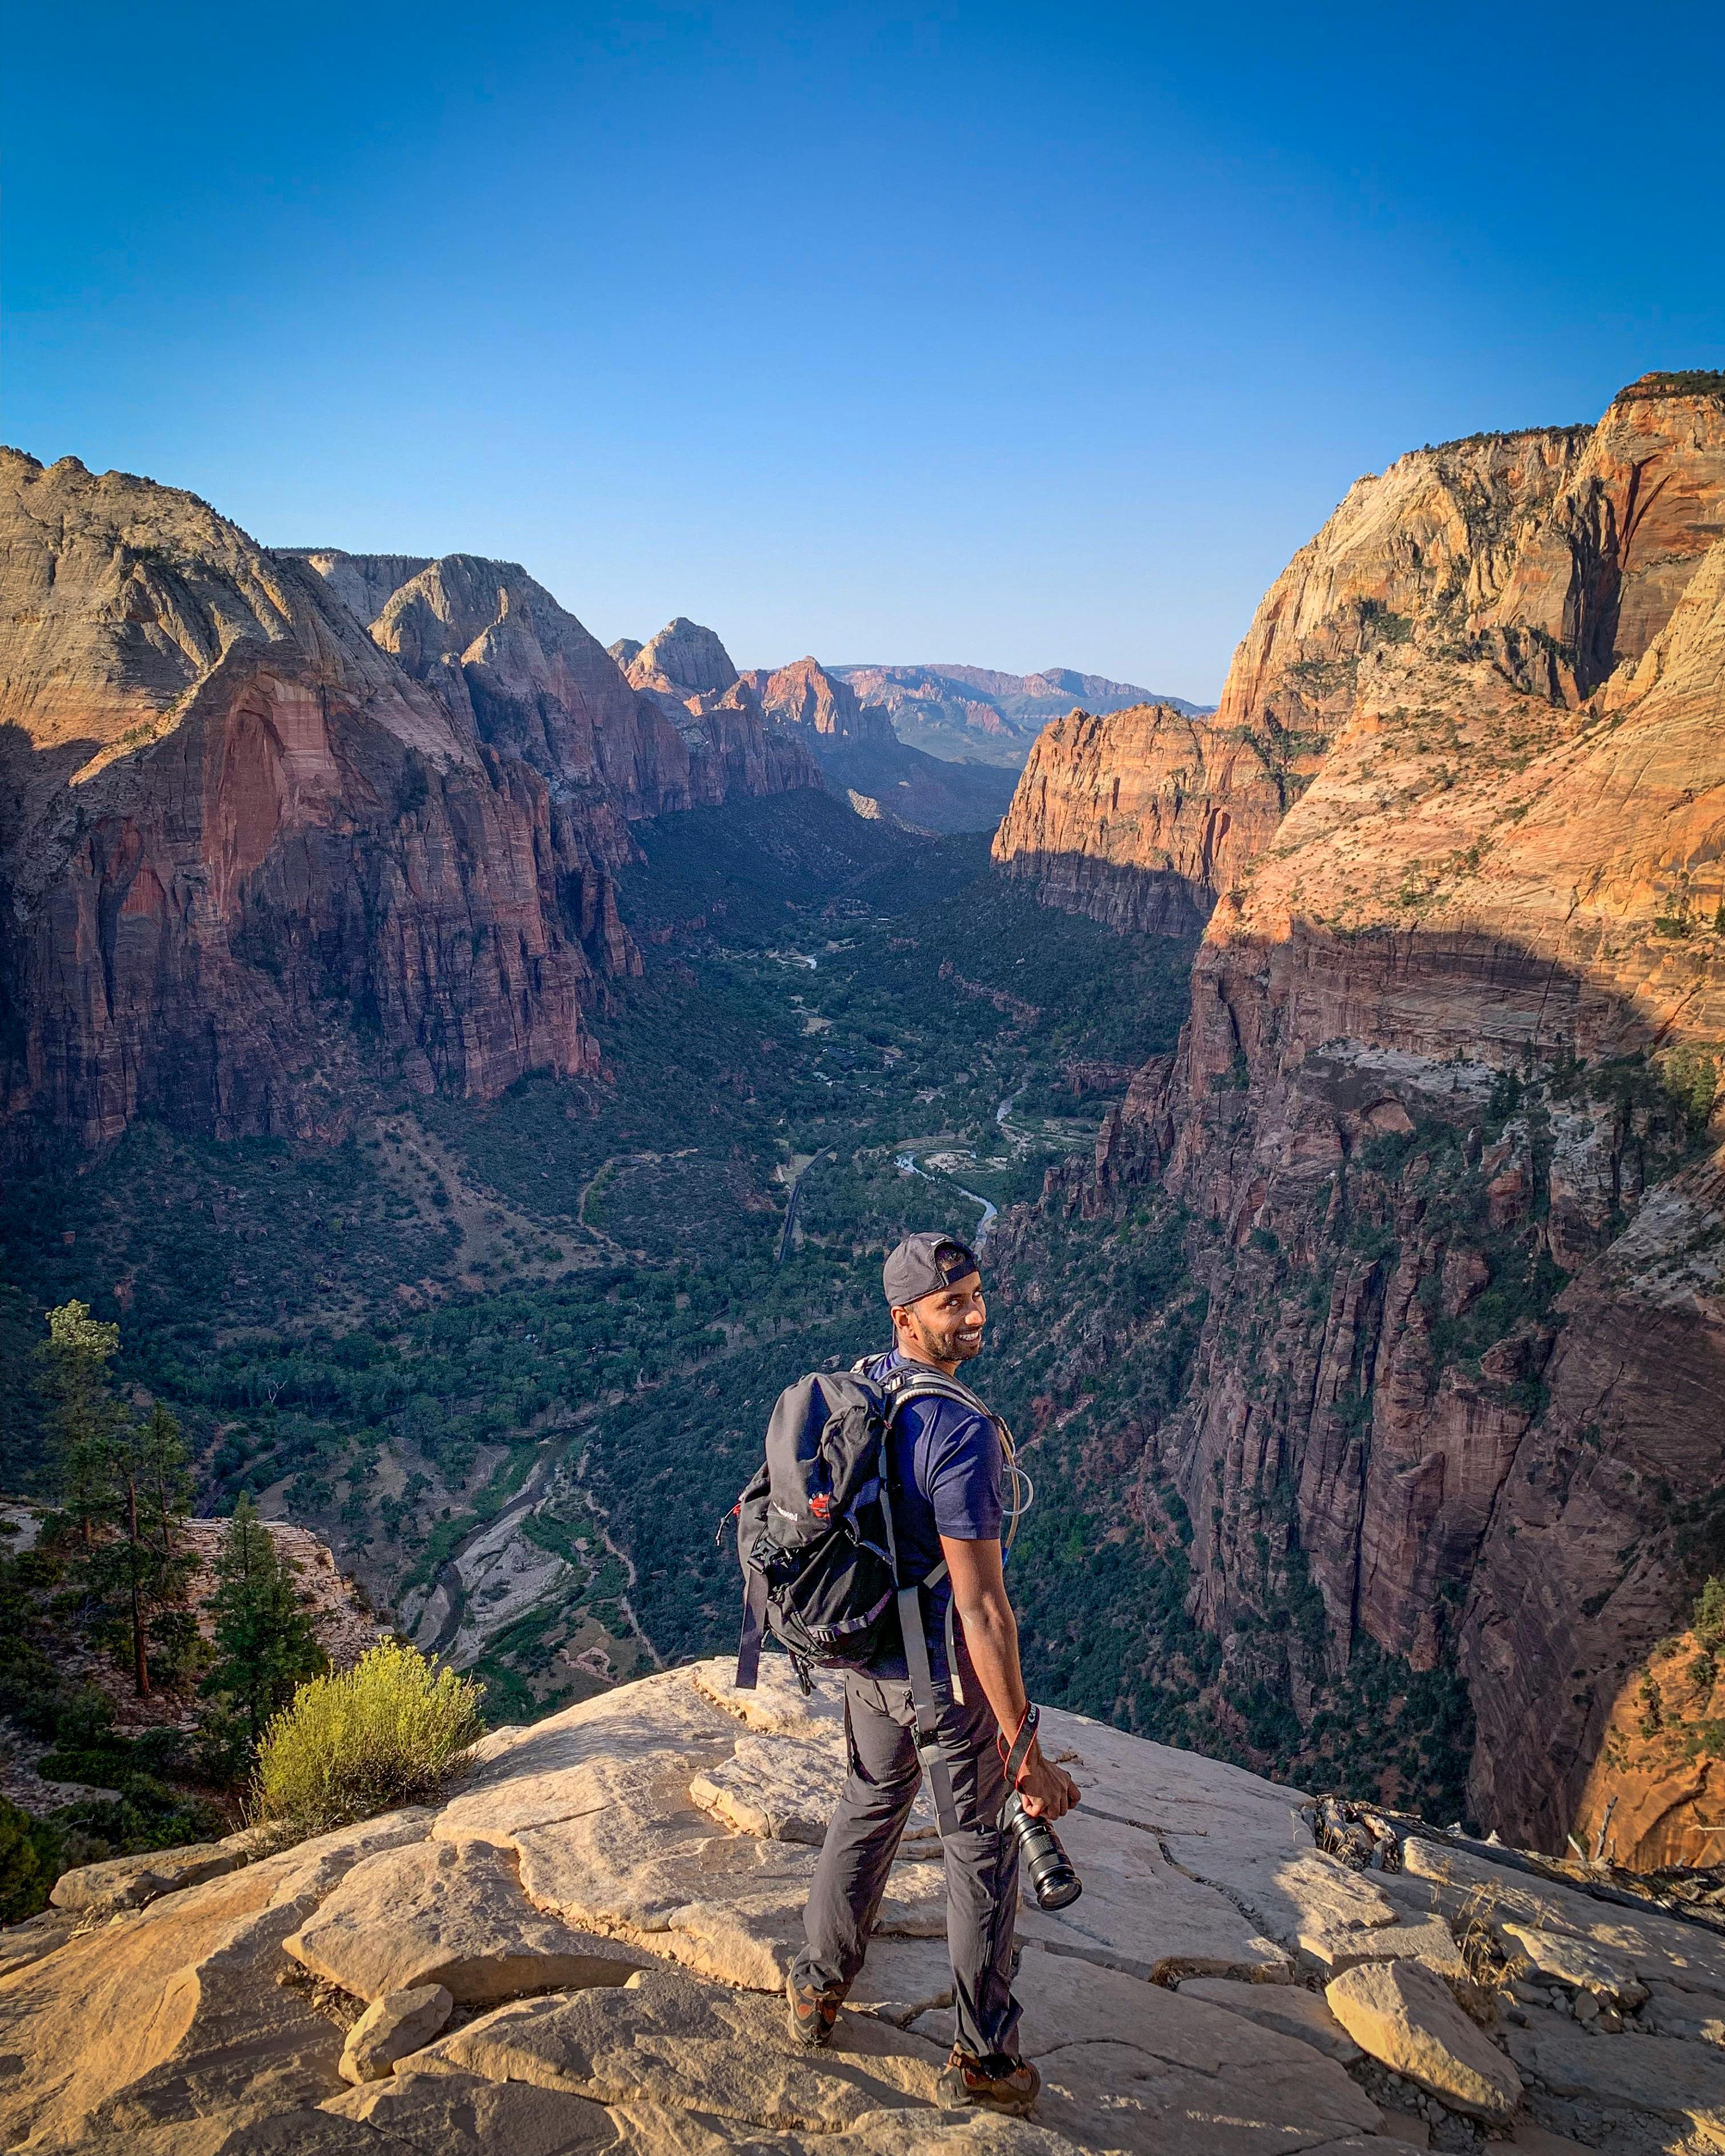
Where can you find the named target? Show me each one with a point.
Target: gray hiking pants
(863, 1838)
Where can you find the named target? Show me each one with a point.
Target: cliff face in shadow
(1437, 1128)
(254, 857)
(1140, 819)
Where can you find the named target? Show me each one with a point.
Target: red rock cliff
(251, 857)
(1457, 1019)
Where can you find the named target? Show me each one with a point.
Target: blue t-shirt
(946, 1468)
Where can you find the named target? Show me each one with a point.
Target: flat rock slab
(1304, 1899)
(669, 2041)
(1116, 2097)
(128, 1883)
(574, 1852)
(1169, 1791)
(1560, 1957)
(773, 1789)
(1682, 2083)
(782, 1790)
(776, 1706)
(462, 2115)
(1407, 2019)
(517, 1779)
(449, 1913)
(1289, 2009)
(390, 2028)
(1229, 1830)
(783, 1777)
(1669, 2012)
(1539, 2141)
(1066, 2001)
(1132, 2066)
(21, 1944)
(901, 1979)
(1142, 1915)
(174, 2014)
(1427, 1940)
(637, 1861)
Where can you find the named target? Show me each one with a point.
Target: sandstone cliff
(1655, 1796)
(253, 858)
(1141, 818)
(804, 694)
(1456, 1028)
(582, 1947)
(858, 748)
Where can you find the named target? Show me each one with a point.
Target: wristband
(1016, 1756)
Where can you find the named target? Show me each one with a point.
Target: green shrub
(29, 1853)
(390, 1730)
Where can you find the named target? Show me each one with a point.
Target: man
(945, 1469)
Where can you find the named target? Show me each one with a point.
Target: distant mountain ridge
(687, 672)
(977, 715)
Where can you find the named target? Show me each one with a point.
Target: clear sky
(1016, 336)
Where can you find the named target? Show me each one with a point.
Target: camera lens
(1052, 1880)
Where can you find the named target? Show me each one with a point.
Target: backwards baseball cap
(924, 1265)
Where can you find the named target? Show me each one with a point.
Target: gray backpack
(814, 1535)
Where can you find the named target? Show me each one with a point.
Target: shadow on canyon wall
(1462, 1233)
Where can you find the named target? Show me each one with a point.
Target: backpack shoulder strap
(924, 1383)
(921, 1676)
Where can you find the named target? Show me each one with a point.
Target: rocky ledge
(581, 1950)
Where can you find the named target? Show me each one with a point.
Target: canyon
(1440, 1140)
(1367, 1330)
(285, 826)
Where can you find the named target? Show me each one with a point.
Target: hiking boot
(998, 2082)
(811, 2013)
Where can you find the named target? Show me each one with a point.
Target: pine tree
(167, 1475)
(85, 1417)
(138, 1570)
(125, 1488)
(265, 1647)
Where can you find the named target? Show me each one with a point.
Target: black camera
(1052, 1880)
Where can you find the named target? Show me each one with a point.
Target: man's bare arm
(991, 1634)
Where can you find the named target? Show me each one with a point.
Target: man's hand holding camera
(1049, 1791)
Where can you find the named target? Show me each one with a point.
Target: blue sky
(1021, 336)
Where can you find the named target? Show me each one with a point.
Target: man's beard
(956, 1346)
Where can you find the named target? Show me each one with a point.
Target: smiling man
(945, 1461)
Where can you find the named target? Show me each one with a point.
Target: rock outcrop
(858, 750)
(684, 659)
(1458, 1020)
(583, 1950)
(578, 1950)
(1655, 1795)
(253, 858)
(805, 695)
(343, 1621)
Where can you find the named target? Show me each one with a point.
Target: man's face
(947, 1325)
